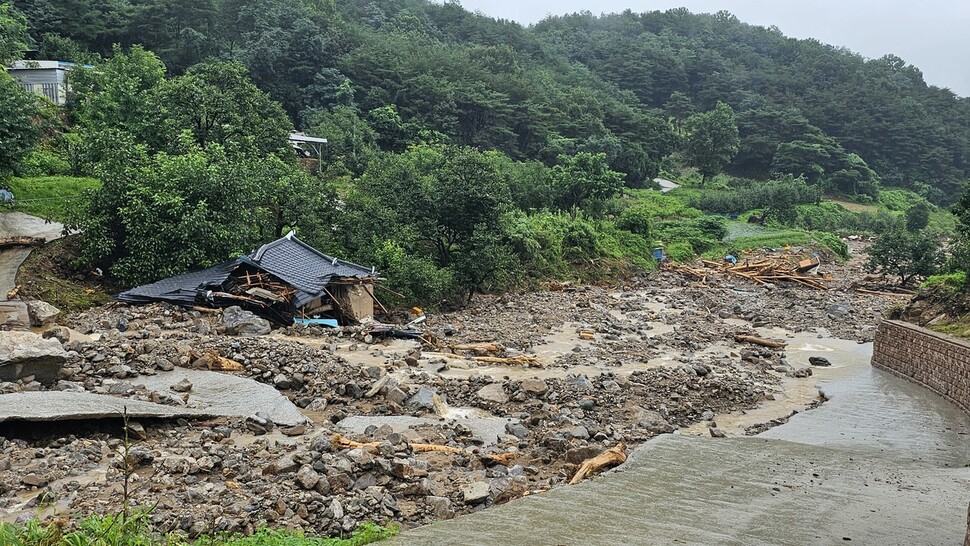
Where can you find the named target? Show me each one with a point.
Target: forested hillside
(387, 74)
(466, 153)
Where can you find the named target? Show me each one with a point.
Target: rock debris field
(324, 429)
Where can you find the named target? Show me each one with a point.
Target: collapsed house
(284, 281)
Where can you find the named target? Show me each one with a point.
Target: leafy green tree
(905, 254)
(160, 215)
(18, 131)
(116, 94)
(712, 140)
(918, 216)
(14, 39)
(678, 109)
(218, 103)
(584, 180)
(351, 142)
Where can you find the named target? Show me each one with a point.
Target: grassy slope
(49, 196)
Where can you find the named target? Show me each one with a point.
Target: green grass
(112, 531)
(49, 196)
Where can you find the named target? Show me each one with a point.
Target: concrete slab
(68, 406)
(230, 395)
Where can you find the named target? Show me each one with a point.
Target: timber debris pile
(765, 270)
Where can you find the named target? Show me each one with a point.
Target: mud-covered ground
(610, 365)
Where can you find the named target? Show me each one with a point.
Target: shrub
(636, 219)
(680, 252)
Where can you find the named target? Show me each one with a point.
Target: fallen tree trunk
(21, 241)
(214, 362)
(616, 455)
(760, 341)
(338, 441)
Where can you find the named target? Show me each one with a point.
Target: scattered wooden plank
(760, 341)
(338, 442)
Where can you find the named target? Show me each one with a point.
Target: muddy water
(881, 462)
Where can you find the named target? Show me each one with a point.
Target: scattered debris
(611, 457)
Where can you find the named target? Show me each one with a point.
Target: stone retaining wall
(938, 362)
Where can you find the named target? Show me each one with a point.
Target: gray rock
(41, 313)
(396, 395)
(182, 386)
(307, 477)
(587, 404)
(24, 354)
(579, 432)
(493, 393)
(517, 430)
(536, 387)
(802, 373)
(819, 361)
(581, 382)
(33, 480)
(244, 323)
(60, 333)
(441, 507)
(475, 492)
(653, 422)
(424, 399)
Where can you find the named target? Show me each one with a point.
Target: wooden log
(13, 293)
(874, 293)
(760, 341)
(208, 310)
(214, 362)
(616, 455)
(517, 360)
(21, 241)
(338, 441)
(482, 348)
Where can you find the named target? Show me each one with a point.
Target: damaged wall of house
(355, 300)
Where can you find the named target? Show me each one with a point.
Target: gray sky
(930, 34)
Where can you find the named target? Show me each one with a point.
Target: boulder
(41, 313)
(819, 361)
(535, 387)
(24, 353)
(239, 322)
(475, 492)
(493, 392)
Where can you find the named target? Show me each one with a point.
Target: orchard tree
(905, 254)
(218, 103)
(712, 140)
(584, 180)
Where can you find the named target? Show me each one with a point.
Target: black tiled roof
(295, 262)
(180, 289)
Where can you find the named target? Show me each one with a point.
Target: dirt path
(18, 224)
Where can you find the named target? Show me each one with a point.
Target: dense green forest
(465, 152)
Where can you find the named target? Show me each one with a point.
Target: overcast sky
(933, 35)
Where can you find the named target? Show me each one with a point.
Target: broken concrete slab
(14, 314)
(24, 354)
(72, 405)
(228, 395)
